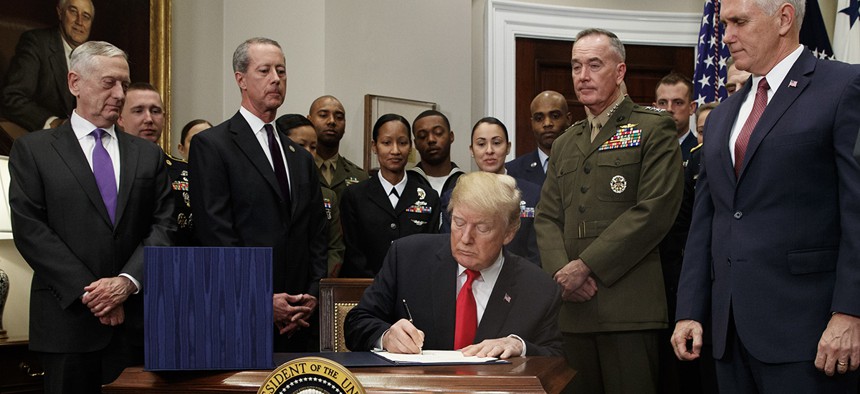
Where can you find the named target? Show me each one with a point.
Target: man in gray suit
(85, 200)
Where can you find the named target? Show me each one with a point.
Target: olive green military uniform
(346, 173)
(336, 248)
(609, 202)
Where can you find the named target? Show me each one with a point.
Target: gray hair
(769, 7)
(240, 56)
(614, 42)
(83, 56)
(488, 194)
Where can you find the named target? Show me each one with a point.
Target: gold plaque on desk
(311, 375)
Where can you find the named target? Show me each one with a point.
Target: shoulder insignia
(349, 163)
(170, 157)
(652, 109)
(695, 148)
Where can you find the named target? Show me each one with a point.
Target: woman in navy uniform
(387, 206)
(490, 145)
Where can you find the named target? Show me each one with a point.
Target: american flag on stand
(709, 79)
(846, 37)
(813, 34)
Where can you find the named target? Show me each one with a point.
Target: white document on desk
(435, 357)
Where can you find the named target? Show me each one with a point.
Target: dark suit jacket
(36, 85)
(528, 167)
(421, 270)
(778, 245)
(524, 243)
(63, 231)
(370, 224)
(237, 202)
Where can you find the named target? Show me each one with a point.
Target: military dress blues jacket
(370, 224)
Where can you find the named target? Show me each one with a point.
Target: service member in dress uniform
(390, 205)
(143, 116)
(336, 172)
(612, 191)
(489, 147)
(301, 131)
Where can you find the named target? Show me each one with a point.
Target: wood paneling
(545, 65)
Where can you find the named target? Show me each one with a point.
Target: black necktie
(278, 163)
(395, 199)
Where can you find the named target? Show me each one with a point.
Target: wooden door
(545, 65)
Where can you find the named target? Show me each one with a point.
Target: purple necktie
(103, 170)
(278, 163)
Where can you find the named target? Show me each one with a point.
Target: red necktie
(467, 313)
(744, 137)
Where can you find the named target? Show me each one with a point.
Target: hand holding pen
(403, 336)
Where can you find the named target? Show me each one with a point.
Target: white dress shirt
(774, 81)
(259, 132)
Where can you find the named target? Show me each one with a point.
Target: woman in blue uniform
(388, 205)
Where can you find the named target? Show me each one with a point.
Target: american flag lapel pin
(792, 84)
(507, 298)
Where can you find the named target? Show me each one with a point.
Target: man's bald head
(550, 118)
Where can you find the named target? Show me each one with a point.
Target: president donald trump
(464, 292)
(773, 257)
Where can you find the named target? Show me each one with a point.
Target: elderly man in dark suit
(772, 256)
(468, 294)
(254, 187)
(550, 118)
(35, 94)
(85, 200)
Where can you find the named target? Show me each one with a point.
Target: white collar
(489, 274)
(778, 73)
(83, 127)
(400, 186)
(253, 121)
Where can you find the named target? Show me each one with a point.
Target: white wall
(205, 34)
(411, 49)
(417, 50)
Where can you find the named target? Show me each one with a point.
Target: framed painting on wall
(376, 106)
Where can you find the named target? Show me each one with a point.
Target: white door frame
(507, 20)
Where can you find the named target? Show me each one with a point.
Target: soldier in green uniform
(143, 116)
(301, 131)
(335, 171)
(613, 189)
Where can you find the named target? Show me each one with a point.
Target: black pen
(405, 305)
(409, 313)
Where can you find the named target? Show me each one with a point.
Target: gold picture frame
(160, 46)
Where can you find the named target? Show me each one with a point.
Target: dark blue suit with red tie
(773, 251)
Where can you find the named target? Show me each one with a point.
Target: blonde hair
(488, 194)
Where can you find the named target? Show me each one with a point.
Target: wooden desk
(20, 369)
(523, 375)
